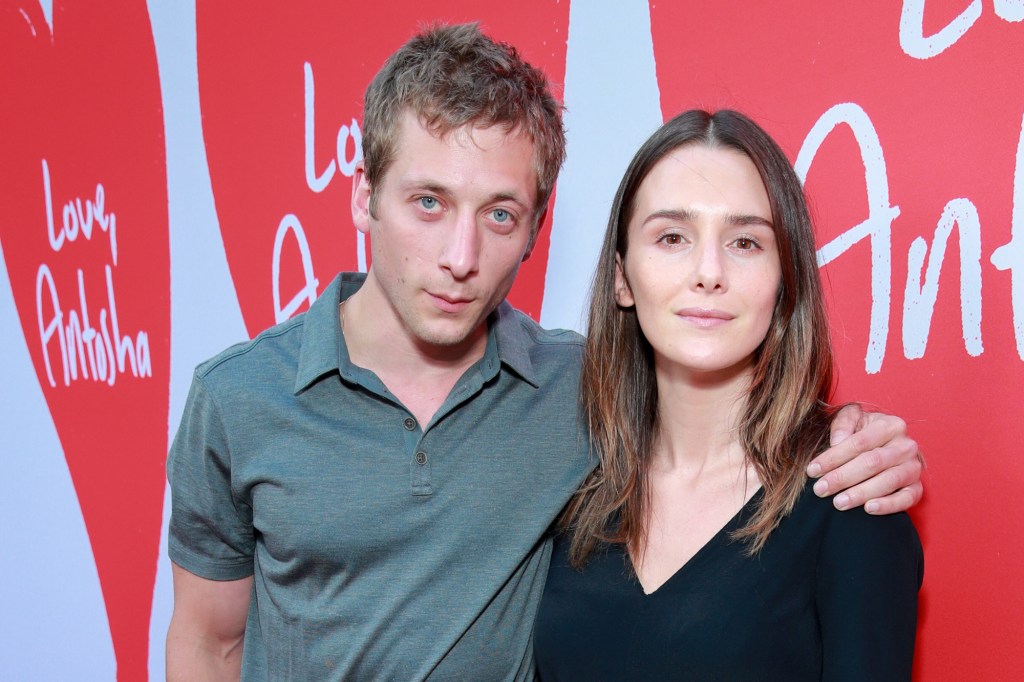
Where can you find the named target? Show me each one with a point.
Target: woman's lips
(704, 317)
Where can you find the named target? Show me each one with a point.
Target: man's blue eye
(429, 203)
(501, 215)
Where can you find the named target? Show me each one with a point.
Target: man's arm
(872, 462)
(204, 640)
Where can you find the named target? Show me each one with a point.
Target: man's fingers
(889, 482)
(831, 459)
(901, 500)
(845, 422)
(877, 466)
(880, 431)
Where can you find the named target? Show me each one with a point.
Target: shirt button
(409, 423)
(421, 458)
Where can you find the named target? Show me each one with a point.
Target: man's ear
(536, 231)
(623, 293)
(361, 199)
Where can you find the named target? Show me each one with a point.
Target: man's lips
(450, 303)
(705, 317)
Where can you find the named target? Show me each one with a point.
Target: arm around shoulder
(204, 640)
(872, 462)
(870, 571)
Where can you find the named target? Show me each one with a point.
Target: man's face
(454, 219)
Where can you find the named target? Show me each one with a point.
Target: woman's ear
(623, 294)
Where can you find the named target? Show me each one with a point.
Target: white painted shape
(1010, 10)
(923, 280)
(613, 105)
(877, 226)
(50, 591)
(47, 7)
(1010, 256)
(205, 315)
(919, 46)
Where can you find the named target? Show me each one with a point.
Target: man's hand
(872, 462)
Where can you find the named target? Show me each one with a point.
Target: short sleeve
(211, 532)
(870, 570)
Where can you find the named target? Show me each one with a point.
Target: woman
(697, 550)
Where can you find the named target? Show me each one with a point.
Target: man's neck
(420, 375)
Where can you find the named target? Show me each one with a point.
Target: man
(362, 492)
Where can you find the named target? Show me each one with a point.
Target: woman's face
(702, 266)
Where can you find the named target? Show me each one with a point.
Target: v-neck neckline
(687, 565)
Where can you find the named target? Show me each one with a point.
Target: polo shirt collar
(322, 342)
(323, 345)
(512, 341)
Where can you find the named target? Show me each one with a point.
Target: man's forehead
(504, 145)
(465, 134)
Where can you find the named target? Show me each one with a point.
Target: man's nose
(461, 253)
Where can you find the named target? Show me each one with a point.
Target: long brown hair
(785, 421)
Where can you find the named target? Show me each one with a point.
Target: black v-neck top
(831, 596)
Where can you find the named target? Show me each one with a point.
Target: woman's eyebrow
(685, 215)
(680, 214)
(748, 219)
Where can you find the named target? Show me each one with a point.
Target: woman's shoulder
(856, 519)
(854, 536)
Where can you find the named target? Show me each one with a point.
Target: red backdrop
(905, 117)
(947, 131)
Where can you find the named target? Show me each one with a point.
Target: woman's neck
(699, 476)
(698, 420)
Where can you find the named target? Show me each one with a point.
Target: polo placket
(419, 464)
(417, 442)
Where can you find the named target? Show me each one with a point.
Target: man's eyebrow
(509, 196)
(686, 215)
(425, 186)
(443, 190)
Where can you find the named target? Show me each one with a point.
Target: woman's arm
(869, 572)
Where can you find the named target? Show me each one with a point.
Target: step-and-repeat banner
(176, 178)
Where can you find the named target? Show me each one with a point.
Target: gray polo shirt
(380, 549)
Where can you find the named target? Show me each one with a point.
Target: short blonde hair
(453, 76)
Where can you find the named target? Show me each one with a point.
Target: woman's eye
(428, 203)
(672, 239)
(745, 244)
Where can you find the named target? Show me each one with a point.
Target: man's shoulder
(543, 335)
(534, 334)
(545, 354)
(270, 349)
(278, 348)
